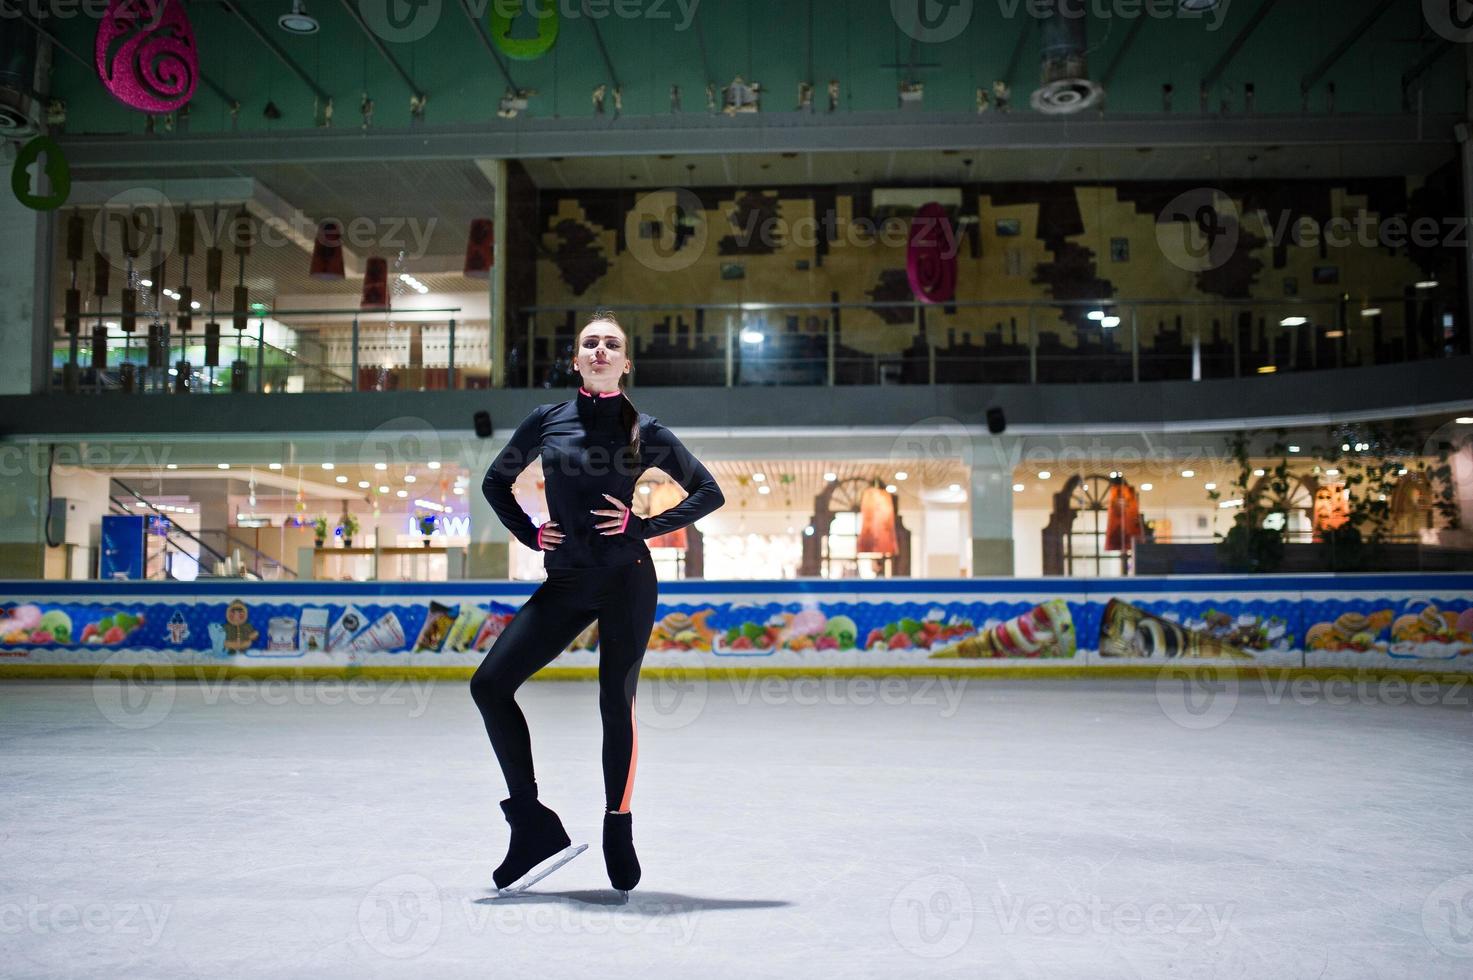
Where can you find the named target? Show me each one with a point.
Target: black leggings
(622, 598)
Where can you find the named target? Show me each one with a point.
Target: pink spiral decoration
(930, 257)
(146, 55)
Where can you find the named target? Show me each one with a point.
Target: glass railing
(1053, 342)
(278, 351)
(744, 344)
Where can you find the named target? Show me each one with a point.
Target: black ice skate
(539, 845)
(619, 856)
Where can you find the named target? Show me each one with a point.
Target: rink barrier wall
(1207, 672)
(1301, 625)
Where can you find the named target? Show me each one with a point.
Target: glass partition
(1071, 342)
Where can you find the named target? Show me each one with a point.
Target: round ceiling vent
(1066, 95)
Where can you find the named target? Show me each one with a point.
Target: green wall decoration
(42, 150)
(510, 20)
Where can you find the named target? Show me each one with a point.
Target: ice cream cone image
(1129, 631)
(1046, 630)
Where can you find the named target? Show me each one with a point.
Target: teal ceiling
(774, 42)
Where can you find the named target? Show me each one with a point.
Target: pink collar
(606, 394)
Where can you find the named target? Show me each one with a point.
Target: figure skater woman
(594, 448)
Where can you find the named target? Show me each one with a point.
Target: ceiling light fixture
(298, 22)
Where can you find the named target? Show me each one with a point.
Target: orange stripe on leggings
(633, 755)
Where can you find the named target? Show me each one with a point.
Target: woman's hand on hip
(548, 536)
(615, 524)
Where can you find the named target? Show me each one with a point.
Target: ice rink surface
(852, 827)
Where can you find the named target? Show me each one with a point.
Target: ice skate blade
(623, 896)
(540, 871)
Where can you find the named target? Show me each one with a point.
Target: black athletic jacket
(584, 453)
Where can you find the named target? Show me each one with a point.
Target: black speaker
(483, 425)
(212, 344)
(996, 423)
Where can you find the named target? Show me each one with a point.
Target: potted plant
(1246, 549)
(1345, 548)
(426, 525)
(1372, 460)
(348, 525)
(319, 529)
(1249, 546)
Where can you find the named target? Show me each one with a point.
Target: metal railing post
(531, 336)
(931, 357)
(450, 383)
(829, 321)
(730, 367)
(1135, 346)
(1032, 348)
(1196, 344)
(1237, 341)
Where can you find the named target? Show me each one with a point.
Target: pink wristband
(626, 521)
(539, 539)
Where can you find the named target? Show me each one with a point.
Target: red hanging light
(480, 249)
(327, 251)
(375, 284)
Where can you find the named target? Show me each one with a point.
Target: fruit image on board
(28, 624)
